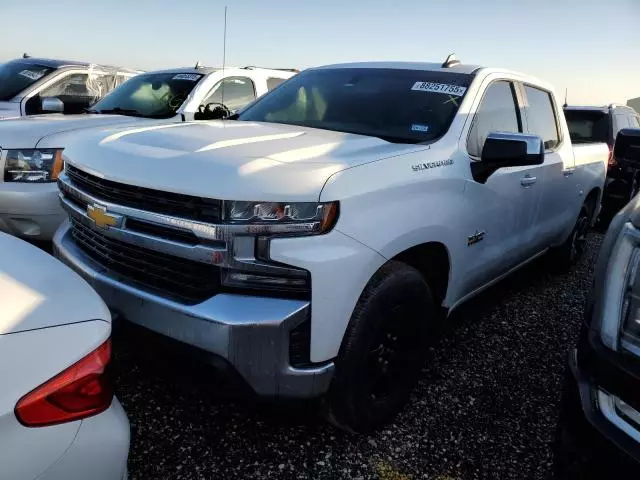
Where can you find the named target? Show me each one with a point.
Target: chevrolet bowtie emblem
(102, 219)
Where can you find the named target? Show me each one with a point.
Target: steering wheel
(214, 111)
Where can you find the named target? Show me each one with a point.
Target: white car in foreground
(59, 419)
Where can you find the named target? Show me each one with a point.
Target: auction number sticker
(439, 88)
(192, 77)
(31, 75)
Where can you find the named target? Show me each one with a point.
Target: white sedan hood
(226, 159)
(37, 291)
(26, 132)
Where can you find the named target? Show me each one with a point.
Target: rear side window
(497, 113)
(635, 123)
(541, 117)
(274, 82)
(587, 126)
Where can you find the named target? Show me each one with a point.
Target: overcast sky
(590, 46)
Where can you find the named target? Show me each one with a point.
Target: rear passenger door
(558, 190)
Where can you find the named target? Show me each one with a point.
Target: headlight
(619, 309)
(284, 218)
(33, 165)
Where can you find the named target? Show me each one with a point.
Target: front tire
(383, 350)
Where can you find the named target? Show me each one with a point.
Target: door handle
(528, 180)
(568, 172)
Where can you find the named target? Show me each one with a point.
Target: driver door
(503, 208)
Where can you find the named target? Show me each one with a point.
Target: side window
(71, 89)
(234, 92)
(273, 82)
(71, 86)
(541, 116)
(497, 113)
(635, 122)
(620, 121)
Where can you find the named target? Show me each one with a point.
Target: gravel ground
(485, 408)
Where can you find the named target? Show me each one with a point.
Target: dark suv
(602, 124)
(599, 427)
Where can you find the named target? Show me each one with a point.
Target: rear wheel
(383, 350)
(570, 252)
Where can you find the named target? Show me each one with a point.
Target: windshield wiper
(121, 111)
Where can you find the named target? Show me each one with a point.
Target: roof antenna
(197, 64)
(224, 53)
(26, 55)
(451, 61)
(566, 94)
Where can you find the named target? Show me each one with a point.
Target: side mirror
(626, 150)
(507, 150)
(512, 150)
(52, 105)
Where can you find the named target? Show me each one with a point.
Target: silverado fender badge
(478, 236)
(426, 166)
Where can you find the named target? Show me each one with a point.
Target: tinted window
(15, 76)
(234, 92)
(497, 113)
(274, 82)
(409, 106)
(541, 118)
(153, 95)
(586, 126)
(620, 121)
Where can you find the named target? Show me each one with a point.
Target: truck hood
(26, 132)
(38, 291)
(227, 159)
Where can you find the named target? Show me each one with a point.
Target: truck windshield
(586, 126)
(402, 106)
(152, 95)
(16, 75)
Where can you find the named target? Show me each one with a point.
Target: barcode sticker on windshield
(439, 88)
(31, 75)
(192, 77)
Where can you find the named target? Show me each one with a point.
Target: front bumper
(607, 441)
(30, 210)
(250, 333)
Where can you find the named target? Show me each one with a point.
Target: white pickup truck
(314, 240)
(31, 148)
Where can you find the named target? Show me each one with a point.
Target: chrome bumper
(251, 333)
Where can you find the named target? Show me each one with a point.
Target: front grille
(174, 204)
(178, 278)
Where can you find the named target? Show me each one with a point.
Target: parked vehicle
(31, 154)
(59, 419)
(314, 241)
(602, 124)
(599, 428)
(32, 86)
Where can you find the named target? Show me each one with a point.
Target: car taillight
(612, 161)
(80, 391)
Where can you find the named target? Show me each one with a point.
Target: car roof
(53, 63)
(425, 66)
(208, 70)
(599, 108)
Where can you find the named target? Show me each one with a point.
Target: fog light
(262, 281)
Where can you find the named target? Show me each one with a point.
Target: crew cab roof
(598, 108)
(53, 63)
(427, 66)
(208, 70)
